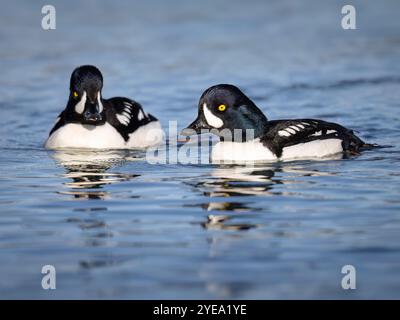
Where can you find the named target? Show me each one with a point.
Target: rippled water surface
(115, 226)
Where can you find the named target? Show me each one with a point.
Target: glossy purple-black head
(85, 102)
(225, 106)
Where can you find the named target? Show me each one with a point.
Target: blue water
(115, 226)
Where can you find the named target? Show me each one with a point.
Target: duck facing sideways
(89, 121)
(225, 106)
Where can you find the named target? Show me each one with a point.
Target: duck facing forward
(90, 121)
(225, 109)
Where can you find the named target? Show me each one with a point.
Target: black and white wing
(285, 133)
(126, 115)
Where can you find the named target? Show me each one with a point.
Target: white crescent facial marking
(211, 119)
(331, 131)
(80, 106)
(99, 102)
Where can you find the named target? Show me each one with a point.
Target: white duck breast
(241, 151)
(148, 135)
(73, 135)
(105, 136)
(313, 149)
(256, 151)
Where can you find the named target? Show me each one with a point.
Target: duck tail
(369, 146)
(358, 145)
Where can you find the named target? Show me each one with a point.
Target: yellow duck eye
(222, 107)
(75, 94)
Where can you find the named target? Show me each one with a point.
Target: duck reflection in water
(227, 183)
(88, 171)
(235, 221)
(230, 186)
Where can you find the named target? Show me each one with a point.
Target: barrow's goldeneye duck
(223, 109)
(90, 121)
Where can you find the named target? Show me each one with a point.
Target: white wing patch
(284, 133)
(140, 115)
(288, 131)
(122, 118)
(293, 129)
(125, 116)
(319, 133)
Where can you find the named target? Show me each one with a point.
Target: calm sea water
(115, 226)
